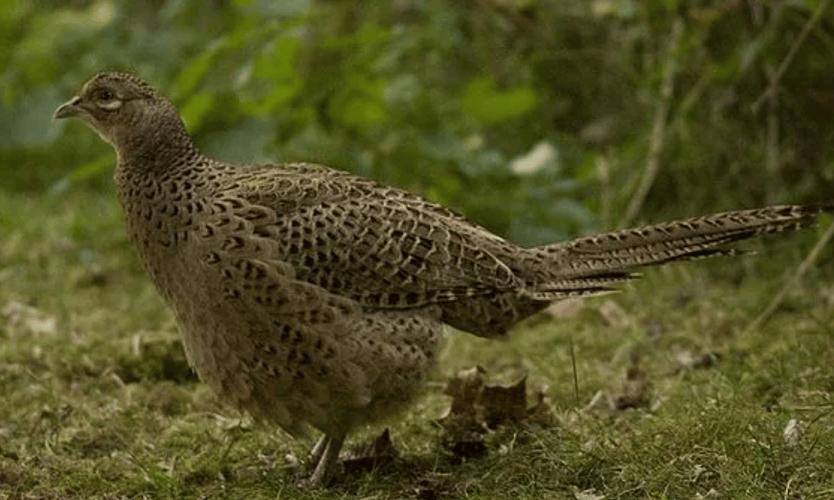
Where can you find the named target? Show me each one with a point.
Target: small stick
(803, 267)
(658, 137)
(575, 374)
(806, 30)
(772, 156)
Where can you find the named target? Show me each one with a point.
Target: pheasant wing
(382, 247)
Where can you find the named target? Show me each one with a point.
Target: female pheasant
(307, 296)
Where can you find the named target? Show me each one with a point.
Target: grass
(98, 400)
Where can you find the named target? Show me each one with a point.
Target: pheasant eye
(106, 99)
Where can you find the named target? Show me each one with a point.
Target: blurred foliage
(533, 117)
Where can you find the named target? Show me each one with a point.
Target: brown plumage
(311, 297)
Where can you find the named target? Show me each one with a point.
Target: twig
(803, 267)
(772, 156)
(657, 139)
(777, 77)
(604, 175)
(575, 374)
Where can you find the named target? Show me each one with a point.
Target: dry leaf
(372, 455)
(507, 403)
(712, 493)
(541, 412)
(634, 389)
(614, 315)
(792, 432)
(93, 276)
(465, 389)
(432, 486)
(599, 403)
(465, 446)
(689, 360)
(590, 494)
(565, 309)
(477, 407)
(24, 319)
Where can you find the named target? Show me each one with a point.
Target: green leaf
(360, 103)
(276, 77)
(83, 172)
(484, 102)
(278, 60)
(193, 73)
(196, 109)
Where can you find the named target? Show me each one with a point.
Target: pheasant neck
(156, 147)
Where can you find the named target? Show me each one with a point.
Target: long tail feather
(593, 263)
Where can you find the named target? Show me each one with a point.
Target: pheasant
(311, 297)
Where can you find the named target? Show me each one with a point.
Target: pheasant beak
(68, 109)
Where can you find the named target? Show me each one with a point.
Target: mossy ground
(97, 399)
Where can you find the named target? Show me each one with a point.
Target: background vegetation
(541, 119)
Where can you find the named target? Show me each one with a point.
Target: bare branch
(803, 267)
(658, 136)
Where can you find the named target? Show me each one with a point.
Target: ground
(672, 395)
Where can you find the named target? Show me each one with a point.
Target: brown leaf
(432, 486)
(614, 315)
(504, 403)
(565, 309)
(634, 389)
(371, 455)
(465, 389)
(478, 407)
(590, 494)
(689, 360)
(25, 319)
(541, 412)
(599, 403)
(470, 445)
(792, 432)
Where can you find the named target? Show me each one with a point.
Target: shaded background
(537, 118)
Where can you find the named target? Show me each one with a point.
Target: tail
(590, 265)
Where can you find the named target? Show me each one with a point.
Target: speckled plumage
(311, 297)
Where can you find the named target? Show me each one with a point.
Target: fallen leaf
(634, 389)
(504, 403)
(470, 445)
(792, 432)
(541, 412)
(93, 276)
(24, 319)
(565, 309)
(432, 486)
(599, 403)
(478, 407)
(465, 389)
(590, 494)
(689, 360)
(712, 493)
(614, 315)
(697, 472)
(372, 455)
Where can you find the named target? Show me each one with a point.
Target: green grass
(103, 405)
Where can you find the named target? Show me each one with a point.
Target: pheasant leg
(317, 451)
(328, 462)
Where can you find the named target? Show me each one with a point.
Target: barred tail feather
(590, 263)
